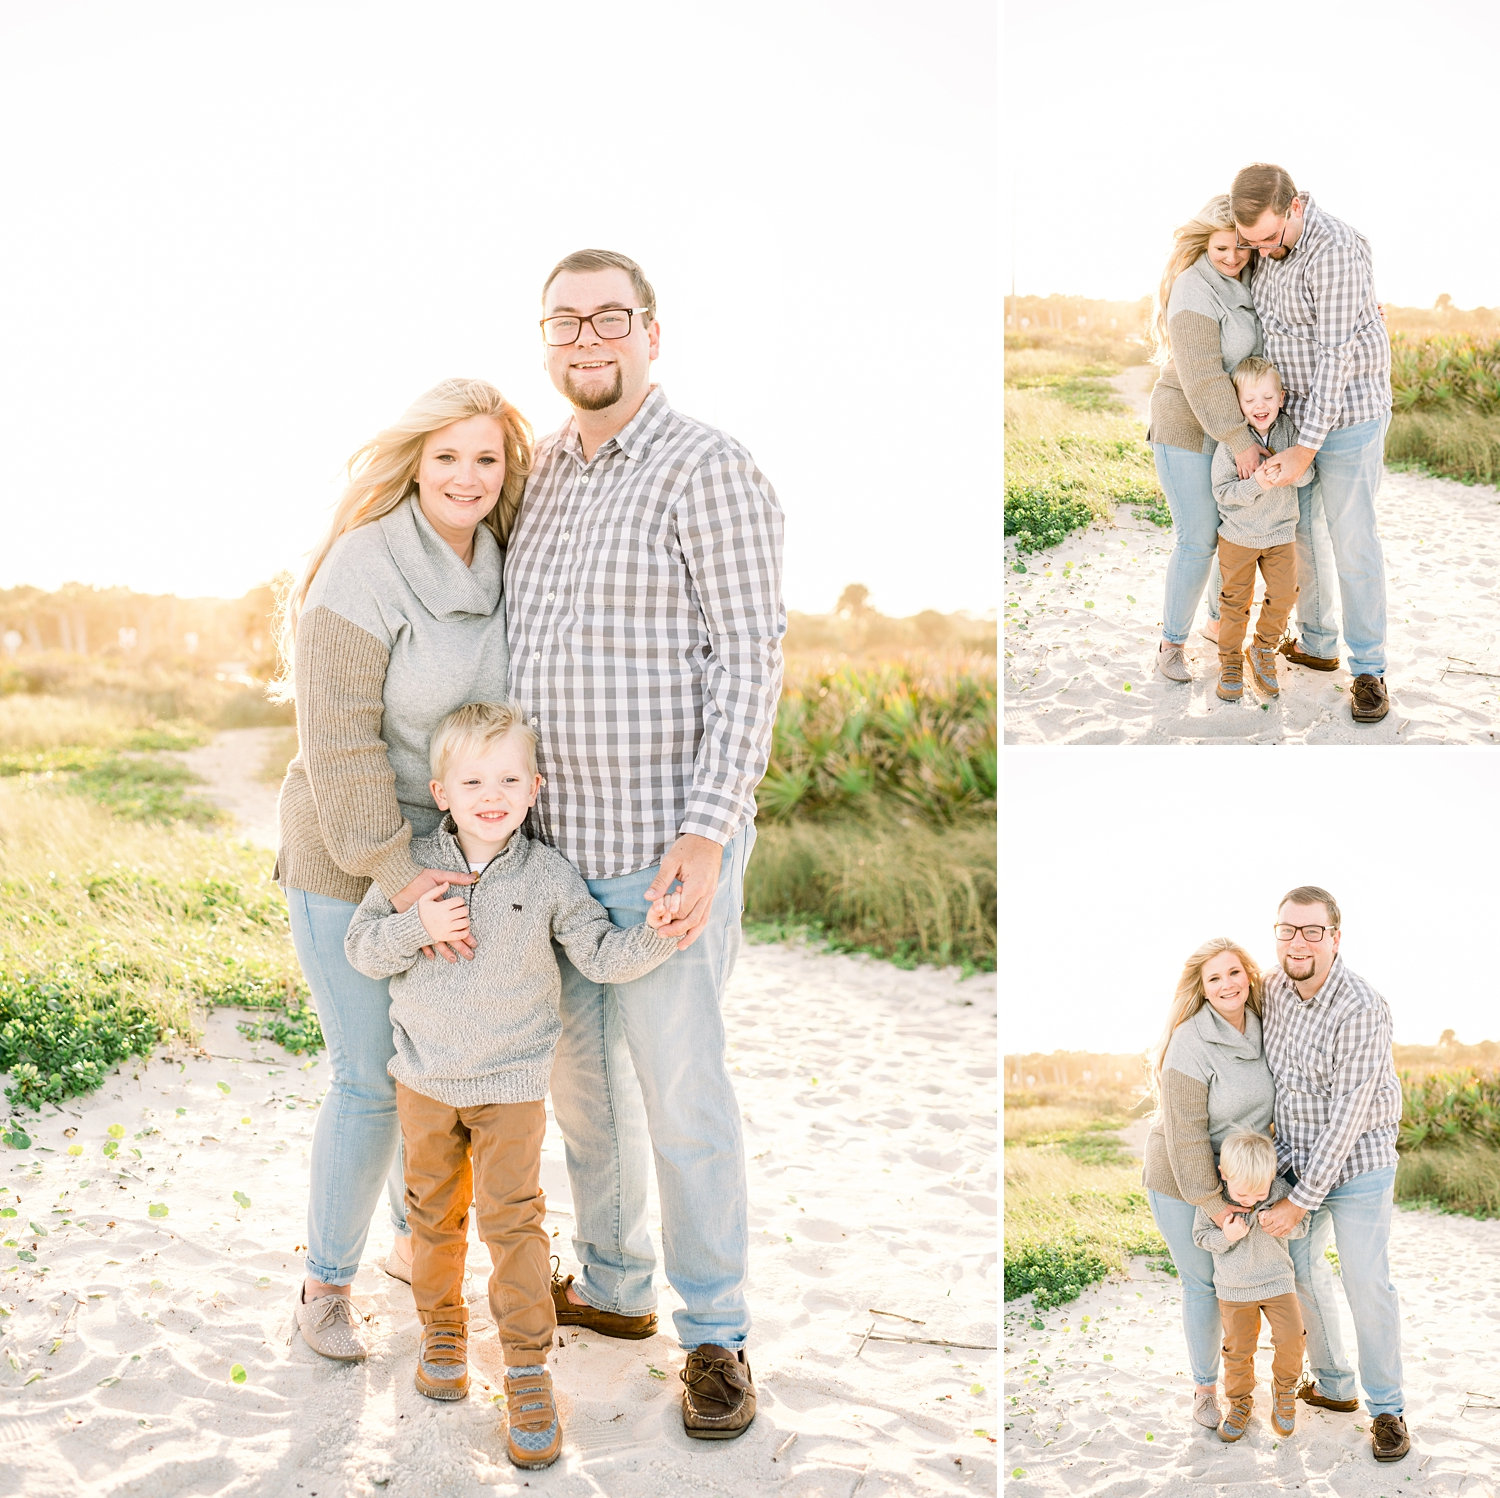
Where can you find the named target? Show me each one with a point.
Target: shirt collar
(1216, 1030)
(1331, 986)
(434, 571)
(634, 438)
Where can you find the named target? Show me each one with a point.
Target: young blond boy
(1257, 528)
(474, 1042)
(1253, 1276)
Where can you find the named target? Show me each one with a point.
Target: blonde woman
(1204, 324)
(1211, 1079)
(397, 621)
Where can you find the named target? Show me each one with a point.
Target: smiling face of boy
(488, 790)
(1260, 401)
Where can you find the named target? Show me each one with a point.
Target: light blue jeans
(1356, 1218)
(1186, 481)
(1346, 478)
(356, 1138)
(640, 1067)
(1195, 1272)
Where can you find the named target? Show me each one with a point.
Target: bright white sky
(241, 237)
(1109, 880)
(1122, 120)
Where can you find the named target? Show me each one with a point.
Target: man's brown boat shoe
(1293, 651)
(1368, 700)
(718, 1393)
(1389, 1439)
(606, 1323)
(1309, 1392)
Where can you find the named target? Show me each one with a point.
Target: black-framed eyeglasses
(609, 324)
(1314, 934)
(1265, 249)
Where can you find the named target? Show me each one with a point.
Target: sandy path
(1098, 1399)
(869, 1105)
(1083, 620)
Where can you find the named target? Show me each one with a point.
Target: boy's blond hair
(1253, 367)
(476, 726)
(1249, 1157)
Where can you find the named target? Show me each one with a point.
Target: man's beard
(1312, 967)
(597, 400)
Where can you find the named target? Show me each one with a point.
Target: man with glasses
(1338, 1103)
(1314, 292)
(643, 592)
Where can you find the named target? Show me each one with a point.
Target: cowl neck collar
(1229, 290)
(1217, 1030)
(432, 569)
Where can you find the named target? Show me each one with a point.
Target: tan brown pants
(491, 1156)
(1241, 1320)
(1278, 565)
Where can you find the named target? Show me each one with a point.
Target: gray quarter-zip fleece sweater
(483, 1031)
(1248, 514)
(1258, 1266)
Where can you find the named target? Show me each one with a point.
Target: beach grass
(1458, 444)
(1075, 1209)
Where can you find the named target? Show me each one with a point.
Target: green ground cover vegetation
(125, 911)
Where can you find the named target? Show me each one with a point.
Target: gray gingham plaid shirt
(643, 600)
(1322, 330)
(1338, 1099)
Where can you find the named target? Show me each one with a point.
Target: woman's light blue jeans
(1356, 1218)
(1186, 481)
(355, 1140)
(1195, 1272)
(640, 1068)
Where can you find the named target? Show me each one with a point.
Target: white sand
(1099, 1401)
(1083, 621)
(869, 1104)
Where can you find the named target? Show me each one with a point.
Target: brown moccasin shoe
(1368, 701)
(1232, 1427)
(1389, 1439)
(1309, 1393)
(606, 1323)
(443, 1357)
(1294, 652)
(718, 1396)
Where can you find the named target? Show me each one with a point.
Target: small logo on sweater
(515, 907)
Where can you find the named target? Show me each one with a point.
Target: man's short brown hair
(1259, 187)
(607, 260)
(1310, 894)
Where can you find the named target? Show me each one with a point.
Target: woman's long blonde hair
(383, 473)
(1189, 243)
(1191, 997)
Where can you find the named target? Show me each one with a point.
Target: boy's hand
(1286, 468)
(444, 920)
(1235, 1228)
(664, 910)
(1250, 460)
(1265, 476)
(1280, 1218)
(427, 880)
(694, 862)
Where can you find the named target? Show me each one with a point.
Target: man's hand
(1235, 1227)
(427, 880)
(1280, 1219)
(1289, 466)
(694, 862)
(1248, 461)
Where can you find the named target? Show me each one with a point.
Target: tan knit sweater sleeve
(1210, 392)
(1184, 1117)
(340, 677)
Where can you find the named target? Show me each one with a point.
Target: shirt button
(536, 655)
(583, 478)
(567, 535)
(535, 721)
(552, 595)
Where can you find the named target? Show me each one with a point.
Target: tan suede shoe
(606, 1323)
(331, 1326)
(535, 1434)
(443, 1358)
(1232, 1427)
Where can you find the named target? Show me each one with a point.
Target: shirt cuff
(408, 933)
(394, 872)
